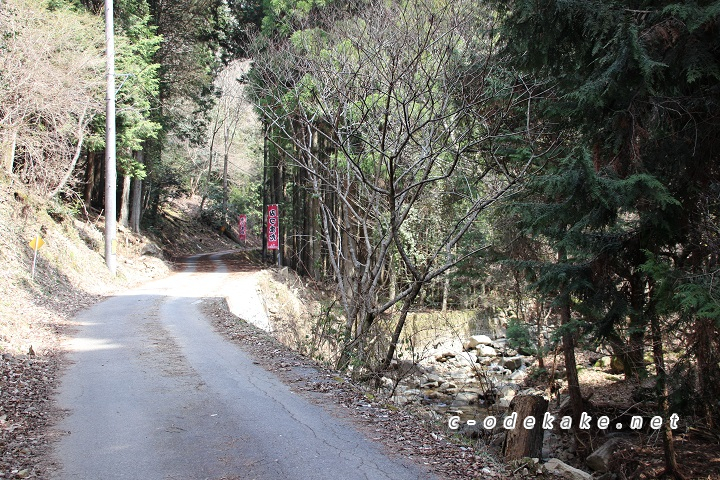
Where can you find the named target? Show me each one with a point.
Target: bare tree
(51, 80)
(230, 108)
(399, 116)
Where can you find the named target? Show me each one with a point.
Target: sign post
(242, 228)
(35, 244)
(273, 227)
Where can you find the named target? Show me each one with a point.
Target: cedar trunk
(521, 442)
(136, 207)
(671, 466)
(125, 202)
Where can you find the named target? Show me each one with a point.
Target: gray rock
(415, 381)
(387, 382)
(561, 468)
(434, 395)
(603, 362)
(430, 385)
(476, 340)
(512, 363)
(445, 386)
(472, 431)
(599, 459)
(467, 357)
(151, 250)
(432, 377)
(468, 398)
(507, 391)
(486, 351)
(607, 476)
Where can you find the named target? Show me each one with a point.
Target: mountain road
(152, 391)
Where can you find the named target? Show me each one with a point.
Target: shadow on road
(233, 261)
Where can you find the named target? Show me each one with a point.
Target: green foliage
(137, 86)
(283, 16)
(699, 299)
(237, 21)
(630, 195)
(55, 5)
(675, 292)
(518, 335)
(138, 89)
(246, 198)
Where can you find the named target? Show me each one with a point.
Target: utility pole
(110, 160)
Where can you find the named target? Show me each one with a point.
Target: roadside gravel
(406, 431)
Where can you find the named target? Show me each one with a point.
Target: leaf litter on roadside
(403, 431)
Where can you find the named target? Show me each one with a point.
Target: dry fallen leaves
(403, 431)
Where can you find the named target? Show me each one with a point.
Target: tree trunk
(576, 401)
(90, 178)
(297, 258)
(522, 442)
(445, 293)
(393, 281)
(400, 325)
(68, 173)
(540, 353)
(264, 192)
(315, 243)
(136, 208)
(210, 163)
(706, 344)
(671, 466)
(225, 191)
(125, 202)
(207, 183)
(280, 200)
(635, 364)
(78, 150)
(568, 340)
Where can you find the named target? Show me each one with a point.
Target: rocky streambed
(472, 380)
(479, 378)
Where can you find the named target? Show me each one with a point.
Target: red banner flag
(242, 227)
(273, 227)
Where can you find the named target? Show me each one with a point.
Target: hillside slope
(36, 313)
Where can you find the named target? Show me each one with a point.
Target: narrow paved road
(153, 392)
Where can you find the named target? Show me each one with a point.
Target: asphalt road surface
(153, 392)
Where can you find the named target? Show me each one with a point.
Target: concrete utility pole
(110, 160)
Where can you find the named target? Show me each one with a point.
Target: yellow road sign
(36, 243)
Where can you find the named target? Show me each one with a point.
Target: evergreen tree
(636, 91)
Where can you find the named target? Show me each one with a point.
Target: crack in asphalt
(158, 393)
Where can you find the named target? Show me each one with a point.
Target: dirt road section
(153, 391)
